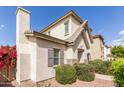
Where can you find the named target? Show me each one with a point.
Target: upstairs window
(66, 28)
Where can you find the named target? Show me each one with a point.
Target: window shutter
(61, 57)
(50, 57)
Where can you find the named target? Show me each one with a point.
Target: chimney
(23, 55)
(22, 24)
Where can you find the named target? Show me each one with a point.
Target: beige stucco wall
(72, 51)
(96, 49)
(33, 57)
(81, 44)
(74, 25)
(22, 24)
(58, 30)
(41, 70)
(69, 54)
(23, 54)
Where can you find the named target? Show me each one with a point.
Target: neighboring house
(97, 48)
(107, 53)
(68, 40)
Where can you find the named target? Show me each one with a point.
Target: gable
(70, 13)
(74, 24)
(80, 43)
(58, 30)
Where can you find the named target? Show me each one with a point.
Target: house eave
(45, 37)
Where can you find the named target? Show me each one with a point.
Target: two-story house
(66, 41)
(97, 48)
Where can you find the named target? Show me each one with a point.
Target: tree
(118, 51)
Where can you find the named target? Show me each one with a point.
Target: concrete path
(96, 83)
(105, 77)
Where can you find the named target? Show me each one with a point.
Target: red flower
(2, 52)
(12, 54)
(7, 56)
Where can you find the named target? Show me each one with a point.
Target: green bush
(88, 76)
(101, 67)
(117, 69)
(84, 72)
(106, 67)
(96, 64)
(65, 74)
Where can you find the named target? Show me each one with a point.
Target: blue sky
(108, 21)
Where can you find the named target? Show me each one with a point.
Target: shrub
(65, 74)
(101, 67)
(88, 76)
(117, 69)
(84, 72)
(96, 64)
(118, 51)
(106, 67)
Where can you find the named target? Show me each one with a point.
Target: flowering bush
(7, 56)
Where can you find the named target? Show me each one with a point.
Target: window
(66, 28)
(56, 56)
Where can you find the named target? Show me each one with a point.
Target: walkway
(100, 81)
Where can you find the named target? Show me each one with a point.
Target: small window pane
(56, 61)
(56, 56)
(66, 27)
